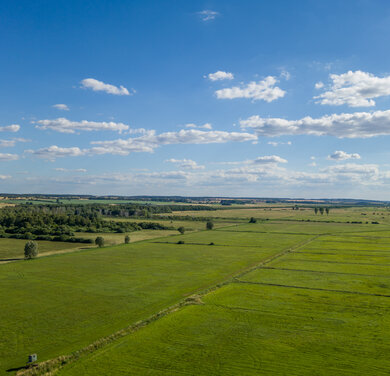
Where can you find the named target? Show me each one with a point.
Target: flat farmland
(319, 309)
(13, 249)
(59, 304)
(135, 236)
(359, 214)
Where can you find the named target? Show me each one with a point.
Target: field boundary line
(51, 366)
(312, 288)
(339, 262)
(325, 272)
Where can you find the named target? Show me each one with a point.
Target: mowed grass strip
(255, 330)
(296, 227)
(11, 249)
(115, 238)
(231, 238)
(376, 259)
(325, 266)
(331, 281)
(55, 305)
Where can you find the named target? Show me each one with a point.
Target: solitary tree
(127, 239)
(181, 229)
(252, 220)
(99, 241)
(321, 210)
(209, 225)
(30, 250)
(316, 210)
(327, 211)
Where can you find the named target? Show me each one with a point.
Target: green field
(13, 249)
(59, 304)
(297, 315)
(356, 214)
(272, 298)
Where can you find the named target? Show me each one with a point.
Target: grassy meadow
(59, 304)
(13, 249)
(320, 309)
(276, 297)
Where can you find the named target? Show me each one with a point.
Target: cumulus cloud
(204, 126)
(187, 164)
(61, 106)
(220, 75)
(61, 169)
(151, 140)
(364, 173)
(267, 159)
(96, 85)
(340, 155)
(207, 15)
(10, 128)
(355, 125)
(262, 90)
(54, 151)
(355, 89)
(8, 157)
(64, 125)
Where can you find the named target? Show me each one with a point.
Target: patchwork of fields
(321, 309)
(270, 298)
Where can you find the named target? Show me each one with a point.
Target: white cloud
(285, 74)
(274, 143)
(54, 151)
(61, 106)
(355, 171)
(61, 169)
(5, 177)
(319, 85)
(340, 155)
(263, 90)
(204, 126)
(187, 164)
(7, 143)
(355, 125)
(8, 157)
(95, 85)
(150, 141)
(270, 159)
(208, 15)
(220, 75)
(355, 89)
(267, 159)
(10, 128)
(64, 125)
(11, 143)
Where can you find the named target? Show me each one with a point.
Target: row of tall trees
(321, 210)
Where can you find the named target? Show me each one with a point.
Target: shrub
(180, 242)
(30, 250)
(127, 239)
(209, 225)
(99, 241)
(253, 220)
(212, 243)
(181, 229)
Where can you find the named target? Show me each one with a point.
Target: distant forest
(60, 222)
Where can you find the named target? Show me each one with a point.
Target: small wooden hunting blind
(32, 358)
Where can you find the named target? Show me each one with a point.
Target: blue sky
(224, 98)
